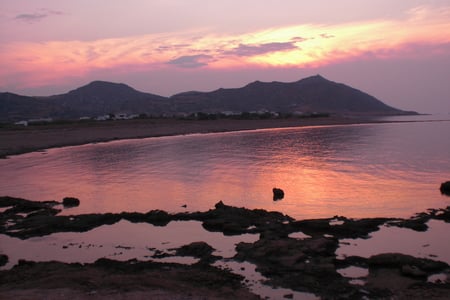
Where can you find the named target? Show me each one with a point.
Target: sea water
(367, 170)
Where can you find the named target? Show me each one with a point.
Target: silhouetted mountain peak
(96, 87)
(311, 94)
(316, 79)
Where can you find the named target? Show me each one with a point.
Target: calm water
(391, 170)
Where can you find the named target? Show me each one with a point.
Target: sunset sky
(398, 51)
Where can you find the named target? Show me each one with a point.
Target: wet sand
(19, 139)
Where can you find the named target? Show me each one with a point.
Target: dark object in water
(278, 194)
(70, 202)
(445, 188)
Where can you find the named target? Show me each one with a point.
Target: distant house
(124, 116)
(120, 116)
(230, 113)
(40, 121)
(103, 118)
(22, 123)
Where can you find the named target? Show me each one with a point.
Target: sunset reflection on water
(357, 171)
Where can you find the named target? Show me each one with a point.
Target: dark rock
(397, 260)
(3, 260)
(442, 214)
(349, 229)
(158, 217)
(220, 205)
(41, 225)
(445, 188)
(195, 249)
(233, 220)
(417, 224)
(278, 194)
(294, 263)
(44, 212)
(413, 271)
(19, 205)
(71, 202)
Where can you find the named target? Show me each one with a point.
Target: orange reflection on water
(355, 171)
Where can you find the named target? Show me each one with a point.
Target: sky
(397, 51)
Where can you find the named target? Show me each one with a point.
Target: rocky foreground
(306, 265)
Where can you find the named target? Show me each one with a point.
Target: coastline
(305, 264)
(18, 140)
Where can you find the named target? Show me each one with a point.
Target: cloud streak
(253, 50)
(301, 46)
(35, 17)
(191, 61)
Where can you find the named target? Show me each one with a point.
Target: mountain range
(312, 94)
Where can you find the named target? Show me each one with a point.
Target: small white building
(22, 123)
(103, 118)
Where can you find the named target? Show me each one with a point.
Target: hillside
(15, 107)
(99, 98)
(312, 94)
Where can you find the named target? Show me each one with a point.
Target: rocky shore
(305, 265)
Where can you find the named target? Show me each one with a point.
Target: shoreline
(19, 140)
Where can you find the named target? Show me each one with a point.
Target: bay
(367, 170)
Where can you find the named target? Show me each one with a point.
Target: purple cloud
(191, 61)
(252, 50)
(37, 16)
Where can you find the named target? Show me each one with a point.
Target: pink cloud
(39, 63)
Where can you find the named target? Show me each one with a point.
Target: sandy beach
(19, 139)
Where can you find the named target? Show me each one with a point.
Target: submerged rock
(445, 188)
(278, 194)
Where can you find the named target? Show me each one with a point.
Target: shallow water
(431, 244)
(121, 241)
(371, 170)
(125, 240)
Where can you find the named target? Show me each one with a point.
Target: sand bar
(20, 139)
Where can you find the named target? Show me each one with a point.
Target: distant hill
(15, 107)
(100, 97)
(95, 99)
(312, 94)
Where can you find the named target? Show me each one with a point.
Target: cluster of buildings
(119, 116)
